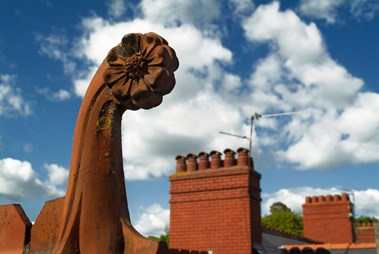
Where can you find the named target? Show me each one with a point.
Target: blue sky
(236, 58)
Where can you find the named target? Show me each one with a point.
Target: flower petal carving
(141, 70)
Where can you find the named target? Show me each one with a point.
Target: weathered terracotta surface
(136, 74)
(45, 228)
(14, 229)
(137, 244)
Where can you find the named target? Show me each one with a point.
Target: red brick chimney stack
(365, 232)
(328, 219)
(215, 203)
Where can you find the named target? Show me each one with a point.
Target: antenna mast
(257, 116)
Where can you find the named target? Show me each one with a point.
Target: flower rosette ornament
(141, 70)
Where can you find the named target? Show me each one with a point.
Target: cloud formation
(297, 73)
(152, 220)
(116, 8)
(11, 99)
(324, 9)
(329, 9)
(19, 181)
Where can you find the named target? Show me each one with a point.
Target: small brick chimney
(215, 205)
(365, 232)
(328, 219)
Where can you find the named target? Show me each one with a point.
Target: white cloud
(11, 100)
(58, 175)
(301, 49)
(61, 95)
(328, 9)
(323, 9)
(298, 73)
(366, 201)
(171, 129)
(55, 47)
(242, 7)
(152, 220)
(116, 8)
(18, 181)
(352, 136)
(172, 12)
(366, 9)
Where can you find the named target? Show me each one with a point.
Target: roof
(360, 248)
(275, 242)
(272, 239)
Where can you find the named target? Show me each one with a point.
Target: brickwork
(328, 219)
(215, 205)
(365, 233)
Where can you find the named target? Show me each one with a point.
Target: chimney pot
(215, 159)
(345, 197)
(229, 160)
(180, 163)
(203, 161)
(243, 157)
(191, 162)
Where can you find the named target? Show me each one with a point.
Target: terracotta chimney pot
(345, 197)
(215, 159)
(180, 163)
(229, 160)
(243, 157)
(203, 161)
(191, 162)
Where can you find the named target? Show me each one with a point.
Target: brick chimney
(215, 205)
(328, 219)
(365, 232)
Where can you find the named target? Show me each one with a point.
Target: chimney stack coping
(327, 198)
(213, 160)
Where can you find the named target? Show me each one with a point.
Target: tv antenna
(257, 116)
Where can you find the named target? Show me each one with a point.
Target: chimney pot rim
(215, 152)
(191, 155)
(228, 150)
(242, 149)
(180, 157)
(203, 153)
